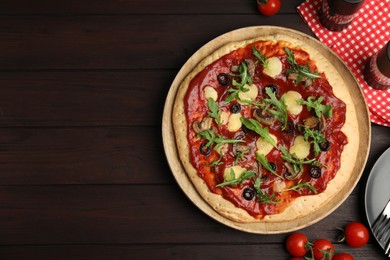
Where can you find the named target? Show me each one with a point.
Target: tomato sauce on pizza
(264, 127)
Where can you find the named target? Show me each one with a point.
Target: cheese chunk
(291, 97)
(249, 95)
(263, 147)
(224, 117)
(279, 186)
(273, 67)
(238, 170)
(234, 123)
(300, 147)
(210, 92)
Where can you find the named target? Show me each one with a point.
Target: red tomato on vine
(296, 244)
(355, 234)
(268, 7)
(322, 249)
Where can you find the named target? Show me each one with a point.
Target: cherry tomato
(296, 244)
(356, 234)
(268, 7)
(343, 256)
(323, 249)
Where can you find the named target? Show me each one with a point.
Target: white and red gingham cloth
(363, 38)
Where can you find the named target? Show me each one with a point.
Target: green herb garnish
(240, 86)
(319, 108)
(217, 139)
(301, 186)
(234, 181)
(295, 161)
(317, 138)
(302, 71)
(260, 56)
(264, 162)
(218, 161)
(264, 198)
(280, 111)
(254, 125)
(240, 155)
(215, 110)
(244, 75)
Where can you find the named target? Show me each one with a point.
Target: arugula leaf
(215, 110)
(218, 161)
(317, 139)
(301, 186)
(244, 75)
(302, 71)
(280, 106)
(240, 155)
(234, 181)
(260, 56)
(264, 162)
(217, 139)
(296, 162)
(254, 125)
(319, 108)
(264, 198)
(240, 86)
(249, 102)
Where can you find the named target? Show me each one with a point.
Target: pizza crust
(301, 206)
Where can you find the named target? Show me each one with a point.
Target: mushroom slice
(260, 171)
(312, 122)
(251, 67)
(234, 68)
(263, 116)
(240, 148)
(323, 123)
(308, 81)
(222, 149)
(279, 186)
(291, 173)
(204, 124)
(293, 76)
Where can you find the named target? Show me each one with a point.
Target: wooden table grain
(82, 165)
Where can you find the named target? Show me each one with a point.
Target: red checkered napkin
(363, 38)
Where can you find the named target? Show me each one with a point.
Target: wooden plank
(129, 214)
(176, 251)
(26, 7)
(112, 155)
(82, 156)
(116, 42)
(74, 98)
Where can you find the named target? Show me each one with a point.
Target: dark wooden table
(83, 170)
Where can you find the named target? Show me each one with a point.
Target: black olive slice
(205, 150)
(289, 127)
(235, 108)
(325, 146)
(248, 193)
(245, 129)
(239, 137)
(274, 88)
(273, 166)
(223, 79)
(315, 172)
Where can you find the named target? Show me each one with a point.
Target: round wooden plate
(359, 145)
